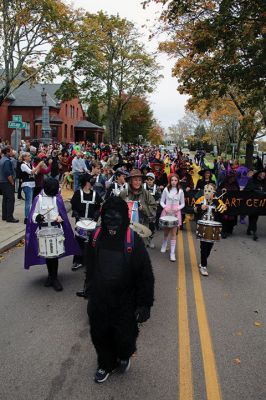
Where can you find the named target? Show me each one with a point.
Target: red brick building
(67, 118)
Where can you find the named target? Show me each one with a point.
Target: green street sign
(17, 118)
(14, 125)
(23, 125)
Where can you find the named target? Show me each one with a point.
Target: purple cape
(31, 242)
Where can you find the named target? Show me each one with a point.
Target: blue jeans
(28, 191)
(76, 176)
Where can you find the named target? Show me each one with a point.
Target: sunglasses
(150, 179)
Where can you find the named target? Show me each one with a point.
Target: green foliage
(67, 91)
(93, 113)
(220, 51)
(137, 120)
(35, 36)
(113, 64)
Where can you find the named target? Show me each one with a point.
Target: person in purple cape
(48, 209)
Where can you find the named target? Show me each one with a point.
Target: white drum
(84, 227)
(51, 242)
(168, 221)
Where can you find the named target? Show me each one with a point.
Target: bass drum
(208, 231)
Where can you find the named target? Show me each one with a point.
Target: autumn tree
(93, 113)
(156, 134)
(220, 53)
(137, 120)
(111, 64)
(35, 36)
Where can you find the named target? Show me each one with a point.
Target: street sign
(17, 118)
(23, 125)
(14, 125)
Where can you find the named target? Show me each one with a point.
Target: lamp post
(46, 129)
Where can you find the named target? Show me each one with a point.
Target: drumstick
(49, 209)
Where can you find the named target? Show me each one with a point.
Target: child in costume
(48, 210)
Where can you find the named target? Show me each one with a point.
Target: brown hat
(135, 173)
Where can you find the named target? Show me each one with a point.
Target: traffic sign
(17, 118)
(14, 125)
(23, 125)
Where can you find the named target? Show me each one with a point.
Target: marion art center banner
(238, 202)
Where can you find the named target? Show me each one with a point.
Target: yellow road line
(185, 370)
(211, 376)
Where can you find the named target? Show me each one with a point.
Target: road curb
(21, 235)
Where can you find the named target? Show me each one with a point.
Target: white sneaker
(151, 245)
(163, 248)
(203, 271)
(172, 257)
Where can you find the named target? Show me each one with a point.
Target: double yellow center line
(185, 369)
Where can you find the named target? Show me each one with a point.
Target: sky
(167, 104)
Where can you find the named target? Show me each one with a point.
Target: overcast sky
(166, 102)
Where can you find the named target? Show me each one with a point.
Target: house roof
(28, 95)
(83, 123)
(53, 118)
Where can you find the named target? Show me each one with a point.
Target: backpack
(129, 241)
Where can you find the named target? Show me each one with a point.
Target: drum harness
(87, 202)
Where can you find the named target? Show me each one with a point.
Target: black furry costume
(120, 287)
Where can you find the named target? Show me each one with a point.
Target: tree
(93, 113)
(156, 134)
(220, 48)
(35, 36)
(137, 120)
(112, 65)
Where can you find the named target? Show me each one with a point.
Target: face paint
(113, 221)
(208, 192)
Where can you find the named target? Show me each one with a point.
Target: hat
(151, 175)
(121, 171)
(135, 173)
(145, 166)
(202, 172)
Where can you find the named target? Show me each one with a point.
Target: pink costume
(172, 202)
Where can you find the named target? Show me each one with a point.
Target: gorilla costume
(119, 286)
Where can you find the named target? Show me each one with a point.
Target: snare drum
(168, 221)
(51, 242)
(133, 211)
(84, 227)
(208, 231)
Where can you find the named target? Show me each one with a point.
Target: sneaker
(163, 248)
(124, 366)
(76, 266)
(151, 245)
(101, 375)
(203, 270)
(172, 257)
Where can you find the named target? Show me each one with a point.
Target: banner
(238, 202)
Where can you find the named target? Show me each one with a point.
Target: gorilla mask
(114, 215)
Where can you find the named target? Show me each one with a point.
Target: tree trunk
(249, 154)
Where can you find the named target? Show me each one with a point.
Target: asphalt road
(206, 338)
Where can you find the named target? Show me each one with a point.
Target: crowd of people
(118, 192)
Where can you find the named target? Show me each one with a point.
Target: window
(77, 112)
(72, 133)
(66, 110)
(65, 132)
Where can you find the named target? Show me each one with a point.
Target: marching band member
(201, 206)
(48, 209)
(156, 193)
(119, 184)
(85, 204)
(172, 202)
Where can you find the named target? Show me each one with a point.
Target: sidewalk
(11, 234)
